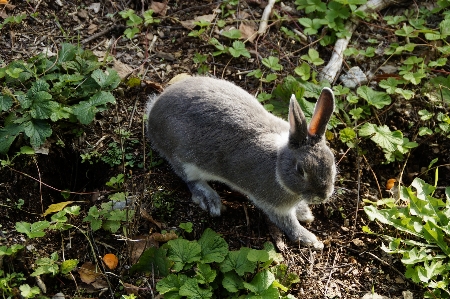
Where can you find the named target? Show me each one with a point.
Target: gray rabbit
(212, 130)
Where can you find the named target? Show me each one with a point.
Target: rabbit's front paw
(206, 197)
(303, 213)
(311, 240)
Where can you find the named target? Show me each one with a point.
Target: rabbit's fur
(212, 130)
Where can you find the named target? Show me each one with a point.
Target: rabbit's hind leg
(205, 197)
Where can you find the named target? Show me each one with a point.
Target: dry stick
(331, 272)
(265, 17)
(97, 35)
(330, 71)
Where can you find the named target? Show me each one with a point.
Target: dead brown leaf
(190, 24)
(164, 237)
(122, 69)
(247, 32)
(131, 289)
(139, 245)
(160, 88)
(159, 8)
(143, 212)
(92, 28)
(89, 272)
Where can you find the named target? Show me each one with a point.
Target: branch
(330, 71)
(265, 17)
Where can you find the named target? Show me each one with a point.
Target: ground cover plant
(85, 199)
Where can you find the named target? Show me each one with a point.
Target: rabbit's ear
(297, 121)
(322, 113)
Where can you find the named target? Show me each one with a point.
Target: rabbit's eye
(300, 170)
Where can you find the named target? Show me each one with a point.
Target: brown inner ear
(320, 118)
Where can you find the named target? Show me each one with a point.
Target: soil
(352, 263)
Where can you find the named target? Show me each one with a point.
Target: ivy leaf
(382, 136)
(237, 260)
(239, 49)
(38, 131)
(213, 247)
(183, 252)
(374, 98)
(6, 102)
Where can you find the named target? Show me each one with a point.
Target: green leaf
(108, 80)
(191, 289)
(28, 292)
(153, 260)
(374, 98)
(414, 78)
(183, 252)
(313, 57)
(205, 274)
(86, 110)
(6, 102)
(312, 26)
(239, 49)
(304, 71)
(311, 5)
(38, 131)
(255, 255)
(261, 282)
(272, 63)
(232, 282)
(237, 261)
(171, 283)
(213, 247)
(382, 136)
(7, 136)
(68, 265)
(232, 34)
(67, 52)
(130, 33)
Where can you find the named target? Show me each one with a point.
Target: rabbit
(212, 130)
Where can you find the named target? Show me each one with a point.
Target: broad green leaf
(415, 256)
(261, 282)
(232, 282)
(28, 292)
(5, 250)
(304, 71)
(183, 252)
(237, 261)
(68, 265)
(7, 136)
(6, 102)
(67, 52)
(111, 225)
(86, 110)
(313, 57)
(311, 5)
(191, 289)
(106, 80)
(153, 260)
(382, 136)
(415, 77)
(171, 283)
(312, 26)
(374, 98)
(434, 234)
(255, 255)
(37, 131)
(205, 274)
(213, 247)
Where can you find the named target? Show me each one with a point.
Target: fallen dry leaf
(247, 32)
(164, 237)
(95, 7)
(159, 8)
(139, 245)
(179, 77)
(89, 272)
(143, 212)
(92, 28)
(122, 69)
(155, 86)
(131, 289)
(111, 261)
(190, 24)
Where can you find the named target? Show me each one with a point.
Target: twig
(97, 35)
(331, 272)
(330, 71)
(265, 17)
